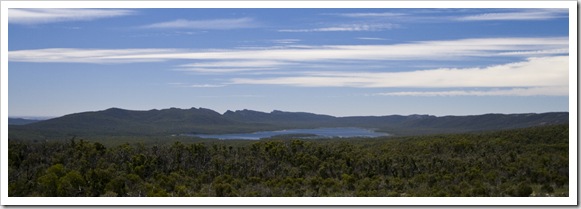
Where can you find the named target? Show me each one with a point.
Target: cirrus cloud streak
(534, 91)
(530, 14)
(534, 72)
(43, 16)
(346, 28)
(422, 50)
(215, 24)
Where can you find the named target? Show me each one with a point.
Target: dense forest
(520, 162)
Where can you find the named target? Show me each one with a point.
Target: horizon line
(32, 117)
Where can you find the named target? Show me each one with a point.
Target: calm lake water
(320, 132)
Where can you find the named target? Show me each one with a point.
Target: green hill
(21, 121)
(115, 121)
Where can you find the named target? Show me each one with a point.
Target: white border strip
(573, 103)
(571, 200)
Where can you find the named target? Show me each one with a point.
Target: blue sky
(340, 62)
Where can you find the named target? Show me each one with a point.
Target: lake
(319, 132)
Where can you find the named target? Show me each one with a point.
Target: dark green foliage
(523, 190)
(520, 162)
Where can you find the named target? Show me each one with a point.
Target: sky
(340, 62)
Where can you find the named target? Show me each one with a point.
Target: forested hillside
(21, 121)
(519, 162)
(120, 122)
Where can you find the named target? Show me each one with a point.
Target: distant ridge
(21, 121)
(115, 121)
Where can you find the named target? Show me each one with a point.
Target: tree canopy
(519, 162)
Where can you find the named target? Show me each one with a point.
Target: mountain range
(21, 121)
(115, 121)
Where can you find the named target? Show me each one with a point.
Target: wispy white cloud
(285, 41)
(424, 50)
(446, 15)
(371, 38)
(233, 96)
(178, 84)
(382, 14)
(43, 16)
(346, 28)
(231, 66)
(102, 56)
(214, 24)
(245, 63)
(205, 86)
(534, 72)
(534, 91)
(528, 14)
(164, 34)
(535, 52)
(222, 70)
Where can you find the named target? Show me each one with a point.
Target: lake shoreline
(324, 132)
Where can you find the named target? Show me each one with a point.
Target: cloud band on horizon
(421, 50)
(544, 70)
(44, 16)
(535, 72)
